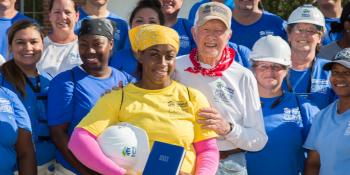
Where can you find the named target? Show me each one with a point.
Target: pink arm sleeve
(207, 157)
(86, 149)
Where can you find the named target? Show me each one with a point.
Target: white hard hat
(126, 145)
(307, 14)
(271, 49)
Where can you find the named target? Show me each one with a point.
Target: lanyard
(276, 102)
(308, 88)
(36, 88)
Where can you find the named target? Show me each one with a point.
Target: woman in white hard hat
(286, 116)
(329, 137)
(306, 77)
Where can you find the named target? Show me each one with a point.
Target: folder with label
(164, 159)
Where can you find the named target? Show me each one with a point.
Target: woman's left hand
(214, 121)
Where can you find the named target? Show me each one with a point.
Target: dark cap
(97, 26)
(342, 57)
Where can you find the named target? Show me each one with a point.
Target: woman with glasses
(329, 138)
(286, 116)
(306, 77)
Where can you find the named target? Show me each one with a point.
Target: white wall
(123, 8)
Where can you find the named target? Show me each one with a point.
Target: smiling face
(145, 16)
(304, 37)
(170, 6)
(340, 80)
(269, 75)
(27, 47)
(94, 51)
(63, 16)
(211, 38)
(158, 63)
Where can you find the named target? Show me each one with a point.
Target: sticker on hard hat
(306, 13)
(129, 151)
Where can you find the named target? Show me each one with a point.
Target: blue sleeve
(188, 28)
(60, 99)
(242, 54)
(21, 115)
(308, 112)
(123, 34)
(312, 136)
(129, 78)
(193, 11)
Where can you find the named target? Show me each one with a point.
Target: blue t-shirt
(195, 7)
(330, 137)
(5, 24)
(71, 96)
(35, 102)
(12, 117)
(121, 29)
(312, 83)
(183, 28)
(268, 24)
(124, 60)
(329, 37)
(287, 126)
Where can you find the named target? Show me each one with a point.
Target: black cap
(97, 26)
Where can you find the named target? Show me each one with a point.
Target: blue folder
(164, 159)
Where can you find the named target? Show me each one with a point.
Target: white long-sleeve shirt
(235, 95)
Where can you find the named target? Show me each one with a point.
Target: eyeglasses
(305, 31)
(273, 67)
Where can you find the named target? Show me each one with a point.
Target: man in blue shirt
(194, 8)
(249, 23)
(8, 16)
(96, 9)
(331, 11)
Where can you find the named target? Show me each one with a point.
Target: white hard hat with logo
(271, 49)
(307, 14)
(126, 145)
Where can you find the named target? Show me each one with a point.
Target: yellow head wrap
(148, 35)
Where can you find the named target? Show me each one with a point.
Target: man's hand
(214, 121)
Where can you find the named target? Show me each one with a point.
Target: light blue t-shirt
(287, 125)
(268, 24)
(124, 60)
(330, 137)
(183, 28)
(35, 102)
(5, 24)
(121, 28)
(329, 37)
(192, 15)
(73, 93)
(312, 83)
(12, 117)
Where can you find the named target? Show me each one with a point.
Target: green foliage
(283, 8)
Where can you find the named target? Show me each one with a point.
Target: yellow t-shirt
(167, 115)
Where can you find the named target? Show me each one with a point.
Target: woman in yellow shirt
(164, 108)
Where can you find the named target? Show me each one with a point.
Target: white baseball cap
(126, 145)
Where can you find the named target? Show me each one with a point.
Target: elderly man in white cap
(230, 88)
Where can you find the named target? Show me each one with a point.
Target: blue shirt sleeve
(60, 99)
(20, 113)
(308, 112)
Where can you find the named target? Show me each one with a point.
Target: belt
(224, 154)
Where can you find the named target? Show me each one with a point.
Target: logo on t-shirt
(319, 85)
(222, 93)
(265, 33)
(292, 115)
(5, 106)
(347, 130)
(184, 41)
(177, 106)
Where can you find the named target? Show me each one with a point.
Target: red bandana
(226, 60)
